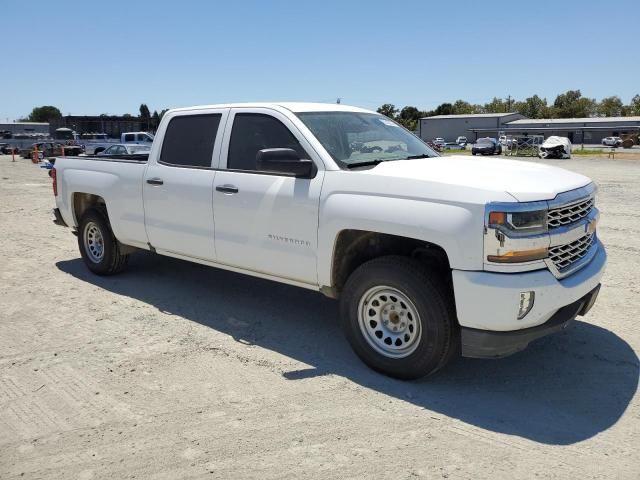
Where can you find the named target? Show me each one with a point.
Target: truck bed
(117, 180)
(137, 158)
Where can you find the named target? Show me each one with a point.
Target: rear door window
(189, 140)
(129, 137)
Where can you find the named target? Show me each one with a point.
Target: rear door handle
(227, 188)
(155, 181)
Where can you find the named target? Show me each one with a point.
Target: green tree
(634, 107)
(460, 107)
(144, 111)
(155, 119)
(498, 105)
(573, 105)
(46, 113)
(444, 109)
(611, 107)
(388, 110)
(409, 117)
(533, 107)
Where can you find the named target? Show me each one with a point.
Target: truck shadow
(563, 389)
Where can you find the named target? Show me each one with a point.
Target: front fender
(456, 228)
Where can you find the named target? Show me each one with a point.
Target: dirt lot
(174, 370)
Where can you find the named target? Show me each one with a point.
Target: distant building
(451, 127)
(25, 128)
(578, 130)
(112, 125)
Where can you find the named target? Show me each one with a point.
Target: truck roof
(295, 107)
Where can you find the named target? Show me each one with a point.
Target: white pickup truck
(430, 257)
(97, 145)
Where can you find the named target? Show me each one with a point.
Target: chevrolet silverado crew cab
(430, 257)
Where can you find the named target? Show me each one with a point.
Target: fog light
(526, 303)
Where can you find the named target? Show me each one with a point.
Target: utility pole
(509, 104)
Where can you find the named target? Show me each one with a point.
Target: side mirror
(284, 160)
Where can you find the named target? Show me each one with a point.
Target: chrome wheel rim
(389, 322)
(93, 242)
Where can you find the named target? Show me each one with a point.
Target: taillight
(54, 179)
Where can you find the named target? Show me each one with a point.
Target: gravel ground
(175, 370)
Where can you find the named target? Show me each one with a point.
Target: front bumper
(489, 301)
(487, 344)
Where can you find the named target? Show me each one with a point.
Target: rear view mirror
(284, 160)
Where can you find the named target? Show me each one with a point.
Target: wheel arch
(353, 248)
(81, 202)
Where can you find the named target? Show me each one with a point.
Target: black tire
(439, 341)
(111, 261)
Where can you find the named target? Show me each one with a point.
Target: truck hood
(525, 181)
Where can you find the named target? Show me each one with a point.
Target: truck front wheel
(398, 318)
(99, 248)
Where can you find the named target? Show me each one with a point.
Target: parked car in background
(612, 141)
(7, 149)
(454, 146)
(486, 146)
(120, 149)
(45, 149)
(93, 147)
(555, 147)
(439, 141)
(462, 140)
(51, 149)
(437, 148)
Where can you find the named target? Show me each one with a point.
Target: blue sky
(180, 53)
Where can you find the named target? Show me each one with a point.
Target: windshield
(352, 137)
(487, 141)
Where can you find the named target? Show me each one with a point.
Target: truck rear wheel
(398, 318)
(99, 248)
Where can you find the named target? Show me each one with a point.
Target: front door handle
(228, 189)
(155, 181)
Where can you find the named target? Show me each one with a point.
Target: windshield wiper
(364, 164)
(416, 157)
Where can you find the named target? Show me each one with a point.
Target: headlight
(516, 236)
(524, 222)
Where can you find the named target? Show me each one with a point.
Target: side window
(189, 140)
(253, 132)
(129, 137)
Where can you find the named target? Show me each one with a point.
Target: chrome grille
(563, 256)
(567, 214)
